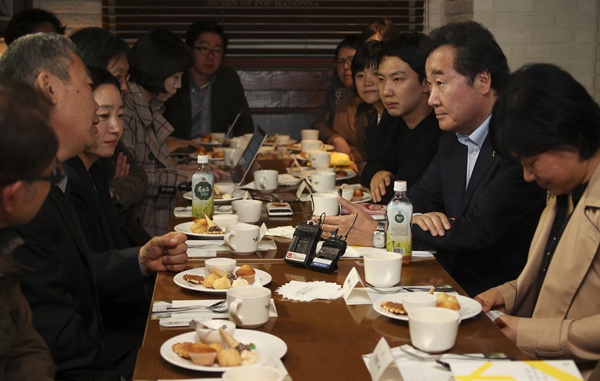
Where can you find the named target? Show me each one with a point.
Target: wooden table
(325, 339)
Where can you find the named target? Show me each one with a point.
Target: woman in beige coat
(548, 121)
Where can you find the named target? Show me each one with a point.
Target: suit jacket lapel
(485, 159)
(70, 220)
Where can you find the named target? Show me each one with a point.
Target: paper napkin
(412, 369)
(282, 231)
(308, 291)
(204, 248)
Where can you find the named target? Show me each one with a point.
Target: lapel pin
(493, 153)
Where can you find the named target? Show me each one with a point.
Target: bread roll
(448, 301)
(229, 357)
(210, 280)
(222, 283)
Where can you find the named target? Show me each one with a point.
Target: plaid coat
(145, 133)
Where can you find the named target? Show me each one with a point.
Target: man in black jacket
(69, 282)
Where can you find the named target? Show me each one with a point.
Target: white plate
(468, 307)
(184, 227)
(267, 345)
(297, 147)
(236, 195)
(262, 276)
(366, 198)
(350, 174)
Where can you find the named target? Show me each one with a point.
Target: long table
(325, 339)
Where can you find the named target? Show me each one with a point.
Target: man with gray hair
(70, 283)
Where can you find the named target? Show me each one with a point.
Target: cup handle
(233, 307)
(261, 183)
(227, 243)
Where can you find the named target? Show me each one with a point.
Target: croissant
(448, 301)
(222, 283)
(210, 280)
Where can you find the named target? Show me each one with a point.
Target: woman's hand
(121, 166)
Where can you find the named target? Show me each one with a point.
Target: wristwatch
(379, 236)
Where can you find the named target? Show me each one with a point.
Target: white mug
(310, 134)
(236, 142)
(322, 181)
(325, 203)
(242, 238)
(412, 301)
(433, 329)
(319, 159)
(247, 210)
(347, 193)
(232, 156)
(224, 220)
(382, 269)
(282, 139)
(266, 179)
(308, 145)
(248, 306)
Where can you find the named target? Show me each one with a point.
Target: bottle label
(203, 190)
(399, 218)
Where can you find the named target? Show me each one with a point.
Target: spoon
(436, 288)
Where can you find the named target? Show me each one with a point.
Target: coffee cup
(325, 203)
(282, 140)
(248, 307)
(347, 193)
(207, 331)
(247, 210)
(242, 238)
(310, 145)
(382, 269)
(310, 134)
(224, 220)
(236, 142)
(412, 301)
(433, 329)
(319, 159)
(232, 156)
(223, 264)
(322, 181)
(266, 179)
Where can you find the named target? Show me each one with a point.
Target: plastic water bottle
(202, 190)
(399, 218)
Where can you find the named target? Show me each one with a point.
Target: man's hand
(164, 253)
(435, 223)
(379, 182)
(362, 232)
(121, 166)
(491, 299)
(509, 325)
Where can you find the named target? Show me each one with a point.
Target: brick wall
(563, 32)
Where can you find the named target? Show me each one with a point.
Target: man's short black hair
(543, 108)
(96, 46)
(366, 57)
(476, 51)
(25, 22)
(408, 46)
(101, 76)
(205, 26)
(158, 55)
(27, 143)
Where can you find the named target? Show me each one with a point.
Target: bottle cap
(202, 159)
(399, 186)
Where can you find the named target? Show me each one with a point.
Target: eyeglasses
(123, 78)
(57, 175)
(204, 51)
(343, 61)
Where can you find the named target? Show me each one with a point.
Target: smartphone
(275, 209)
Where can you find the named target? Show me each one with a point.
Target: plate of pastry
(197, 279)
(256, 347)
(236, 195)
(467, 307)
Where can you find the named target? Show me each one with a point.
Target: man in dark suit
(211, 94)
(471, 205)
(70, 284)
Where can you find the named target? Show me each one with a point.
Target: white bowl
(225, 264)
(207, 331)
(416, 300)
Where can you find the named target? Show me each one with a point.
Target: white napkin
(413, 369)
(285, 180)
(282, 231)
(183, 212)
(205, 248)
(183, 319)
(308, 291)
